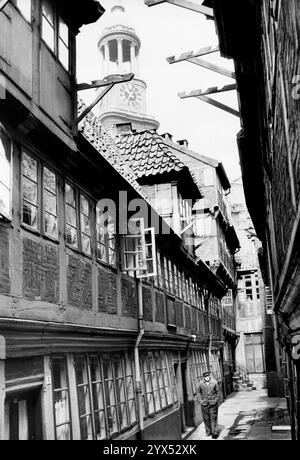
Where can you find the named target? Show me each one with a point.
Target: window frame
(56, 35)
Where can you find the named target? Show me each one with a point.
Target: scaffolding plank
(219, 105)
(92, 105)
(211, 90)
(192, 54)
(106, 81)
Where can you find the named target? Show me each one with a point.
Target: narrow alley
(249, 416)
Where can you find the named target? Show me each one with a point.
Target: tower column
(106, 58)
(133, 58)
(120, 56)
(102, 61)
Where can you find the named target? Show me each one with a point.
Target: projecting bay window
(55, 32)
(106, 236)
(61, 399)
(98, 398)
(5, 174)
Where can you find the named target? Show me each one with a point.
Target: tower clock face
(131, 95)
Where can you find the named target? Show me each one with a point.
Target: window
(61, 399)
(254, 353)
(85, 224)
(50, 203)
(198, 364)
(106, 236)
(157, 383)
(71, 216)
(166, 271)
(39, 197)
(106, 396)
(139, 250)
(55, 32)
(5, 174)
(30, 192)
(84, 397)
(24, 7)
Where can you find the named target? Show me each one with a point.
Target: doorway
(23, 416)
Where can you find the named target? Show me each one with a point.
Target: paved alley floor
(250, 415)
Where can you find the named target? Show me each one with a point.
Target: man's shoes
(215, 436)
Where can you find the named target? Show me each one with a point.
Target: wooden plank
(212, 90)
(106, 81)
(92, 105)
(192, 54)
(213, 67)
(184, 4)
(3, 4)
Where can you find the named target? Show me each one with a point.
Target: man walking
(209, 399)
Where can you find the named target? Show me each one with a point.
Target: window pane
(71, 236)
(70, 195)
(71, 216)
(25, 8)
(29, 167)
(50, 223)
(49, 180)
(30, 215)
(48, 23)
(50, 202)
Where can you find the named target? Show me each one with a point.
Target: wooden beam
(3, 3)
(192, 54)
(106, 81)
(213, 67)
(212, 90)
(184, 4)
(92, 105)
(219, 105)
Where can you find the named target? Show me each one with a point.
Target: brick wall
(4, 261)
(160, 314)
(107, 291)
(129, 298)
(147, 304)
(40, 271)
(179, 313)
(79, 278)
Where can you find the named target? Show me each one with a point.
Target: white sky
(167, 30)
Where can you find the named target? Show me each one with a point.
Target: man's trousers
(210, 418)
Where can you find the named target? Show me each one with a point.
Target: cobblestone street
(250, 415)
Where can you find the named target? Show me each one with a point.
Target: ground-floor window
(61, 399)
(254, 353)
(106, 394)
(23, 419)
(198, 364)
(158, 382)
(216, 366)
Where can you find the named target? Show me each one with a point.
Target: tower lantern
(119, 48)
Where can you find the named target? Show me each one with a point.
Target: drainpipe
(138, 382)
(2, 385)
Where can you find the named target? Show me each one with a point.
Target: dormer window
(55, 32)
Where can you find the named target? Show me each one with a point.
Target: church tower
(119, 48)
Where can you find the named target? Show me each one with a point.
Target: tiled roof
(99, 137)
(147, 154)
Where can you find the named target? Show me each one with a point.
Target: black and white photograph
(149, 223)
